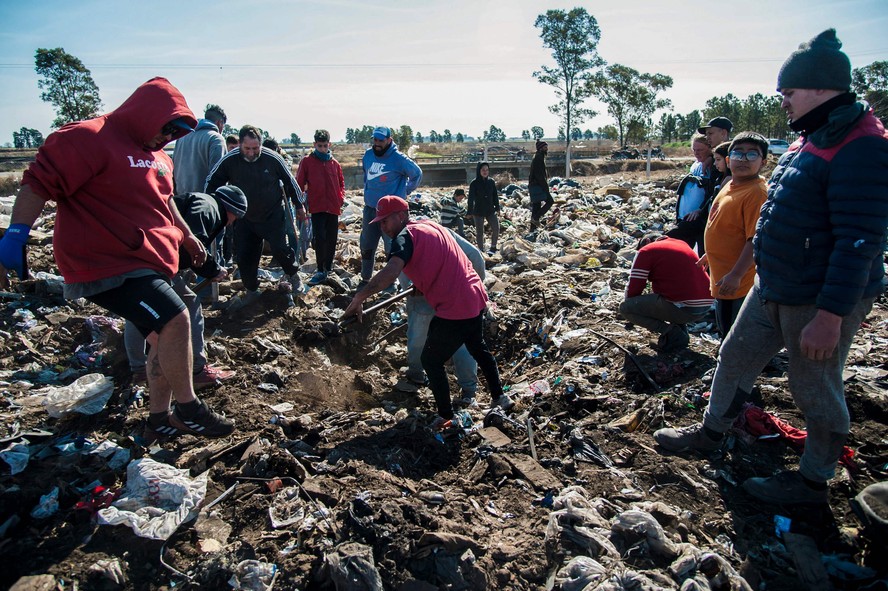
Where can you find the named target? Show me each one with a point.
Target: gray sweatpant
(764, 328)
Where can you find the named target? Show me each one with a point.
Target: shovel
(376, 307)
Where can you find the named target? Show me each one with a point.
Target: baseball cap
(387, 206)
(720, 122)
(382, 133)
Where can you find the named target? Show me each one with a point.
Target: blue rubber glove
(12, 249)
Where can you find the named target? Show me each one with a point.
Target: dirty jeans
(479, 230)
(419, 316)
(658, 314)
(134, 342)
(445, 337)
(764, 328)
(248, 238)
(369, 241)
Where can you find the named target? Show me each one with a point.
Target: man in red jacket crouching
(117, 237)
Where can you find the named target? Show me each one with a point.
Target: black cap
(720, 122)
(232, 199)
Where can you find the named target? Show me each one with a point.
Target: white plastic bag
(87, 395)
(157, 498)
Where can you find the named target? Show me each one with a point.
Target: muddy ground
(470, 509)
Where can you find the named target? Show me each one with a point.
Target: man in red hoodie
(117, 237)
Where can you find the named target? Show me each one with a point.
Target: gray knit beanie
(819, 63)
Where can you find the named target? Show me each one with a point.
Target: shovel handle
(385, 303)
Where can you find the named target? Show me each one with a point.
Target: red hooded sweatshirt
(111, 190)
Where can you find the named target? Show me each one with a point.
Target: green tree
(229, 130)
(688, 124)
(460, 138)
(630, 96)
(417, 138)
(447, 136)
(27, 138)
(871, 84)
(573, 38)
(537, 132)
(561, 135)
(66, 84)
(295, 139)
(667, 128)
(433, 136)
(403, 136)
(725, 106)
(588, 135)
(525, 135)
(575, 134)
(494, 134)
(608, 132)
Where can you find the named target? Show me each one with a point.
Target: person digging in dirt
(266, 219)
(818, 254)
(117, 237)
(427, 253)
(207, 216)
(538, 185)
(419, 317)
(679, 290)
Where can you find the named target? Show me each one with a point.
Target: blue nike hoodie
(393, 173)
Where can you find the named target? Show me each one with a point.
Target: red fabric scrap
(758, 423)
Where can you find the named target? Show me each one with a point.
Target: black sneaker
(785, 488)
(164, 430)
(205, 422)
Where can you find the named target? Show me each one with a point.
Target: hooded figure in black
(484, 205)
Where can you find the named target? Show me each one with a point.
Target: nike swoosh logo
(374, 175)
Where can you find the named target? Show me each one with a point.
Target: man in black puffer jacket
(818, 251)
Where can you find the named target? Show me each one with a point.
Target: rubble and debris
(333, 478)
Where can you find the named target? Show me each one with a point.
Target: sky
(290, 66)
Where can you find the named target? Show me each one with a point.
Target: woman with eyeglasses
(731, 226)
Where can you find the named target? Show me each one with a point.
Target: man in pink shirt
(427, 253)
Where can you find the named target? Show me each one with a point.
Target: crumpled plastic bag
(16, 455)
(643, 524)
(87, 395)
(286, 508)
(157, 499)
(352, 568)
(579, 573)
(48, 505)
(253, 575)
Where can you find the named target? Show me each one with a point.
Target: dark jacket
(260, 181)
(821, 233)
(538, 181)
(206, 218)
(483, 196)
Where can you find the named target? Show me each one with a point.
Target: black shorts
(149, 302)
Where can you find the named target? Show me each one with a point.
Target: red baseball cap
(387, 206)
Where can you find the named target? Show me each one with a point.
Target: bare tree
(573, 38)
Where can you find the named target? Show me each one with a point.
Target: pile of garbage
(335, 480)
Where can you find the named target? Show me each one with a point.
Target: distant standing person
(694, 196)
(538, 185)
(198, 152)
(320, 177)
(259, 172)
(386, 172)
(484, 206)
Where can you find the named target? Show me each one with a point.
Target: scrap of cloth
(758, 422)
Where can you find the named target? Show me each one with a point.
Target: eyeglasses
(169, 129)
(752, 155)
